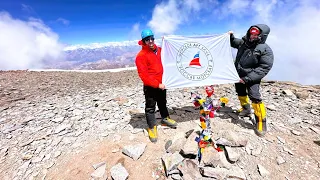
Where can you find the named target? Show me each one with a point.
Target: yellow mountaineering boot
(245, 106)
(169, 122)
(153, 134)
(260, 117)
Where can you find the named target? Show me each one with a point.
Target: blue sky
(88, 21)
(82, 21)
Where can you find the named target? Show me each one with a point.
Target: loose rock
(100, 173)
(171, 161)
(263, 171)
(189, 169)
(176, 143)
(232, 154)
(280, 160)
(118, 172)
(297, 133)
(229, 138)
(315, 130)
(256, 151)
(134, 151)
(217, 173)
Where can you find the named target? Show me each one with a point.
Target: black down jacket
(253, 60)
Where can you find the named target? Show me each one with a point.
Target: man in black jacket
(253, 62)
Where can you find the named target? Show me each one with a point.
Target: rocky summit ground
(74, 125)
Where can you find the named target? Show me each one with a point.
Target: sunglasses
(147, 39)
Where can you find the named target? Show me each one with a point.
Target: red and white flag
(197, 61)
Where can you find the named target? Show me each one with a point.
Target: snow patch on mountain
(106, 44)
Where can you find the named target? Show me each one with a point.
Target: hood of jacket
(264, 29)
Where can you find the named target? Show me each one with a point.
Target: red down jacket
(149, 66)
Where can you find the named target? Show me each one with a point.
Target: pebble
(280, 160)
(263, 171)
(283, 141)
(288, 150)
(315, 130)
(297, 133)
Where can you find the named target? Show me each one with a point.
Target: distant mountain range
(98, 56)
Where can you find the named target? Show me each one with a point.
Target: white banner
(197, 61)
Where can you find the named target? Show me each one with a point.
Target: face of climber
(149, 41)
(254, 34)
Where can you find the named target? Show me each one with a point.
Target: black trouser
(155, 96)
(251, 89)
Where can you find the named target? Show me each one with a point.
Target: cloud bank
(294, 29)
(27, 44)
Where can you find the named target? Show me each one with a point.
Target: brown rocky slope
(58, 125)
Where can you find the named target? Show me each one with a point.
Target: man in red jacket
(150, 70)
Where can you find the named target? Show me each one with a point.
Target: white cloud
(135, 32)
(293, 37)
(264, 10)
(63, 21)
(192, 4)
(167, 16)
(136, 27)
(237, 6)
(27, 8)
(294, 29)
(295, 44)
(26, 44)
(230, 8)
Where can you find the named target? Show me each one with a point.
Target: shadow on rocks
(138, 121)
(183, 114)
(227, 113)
